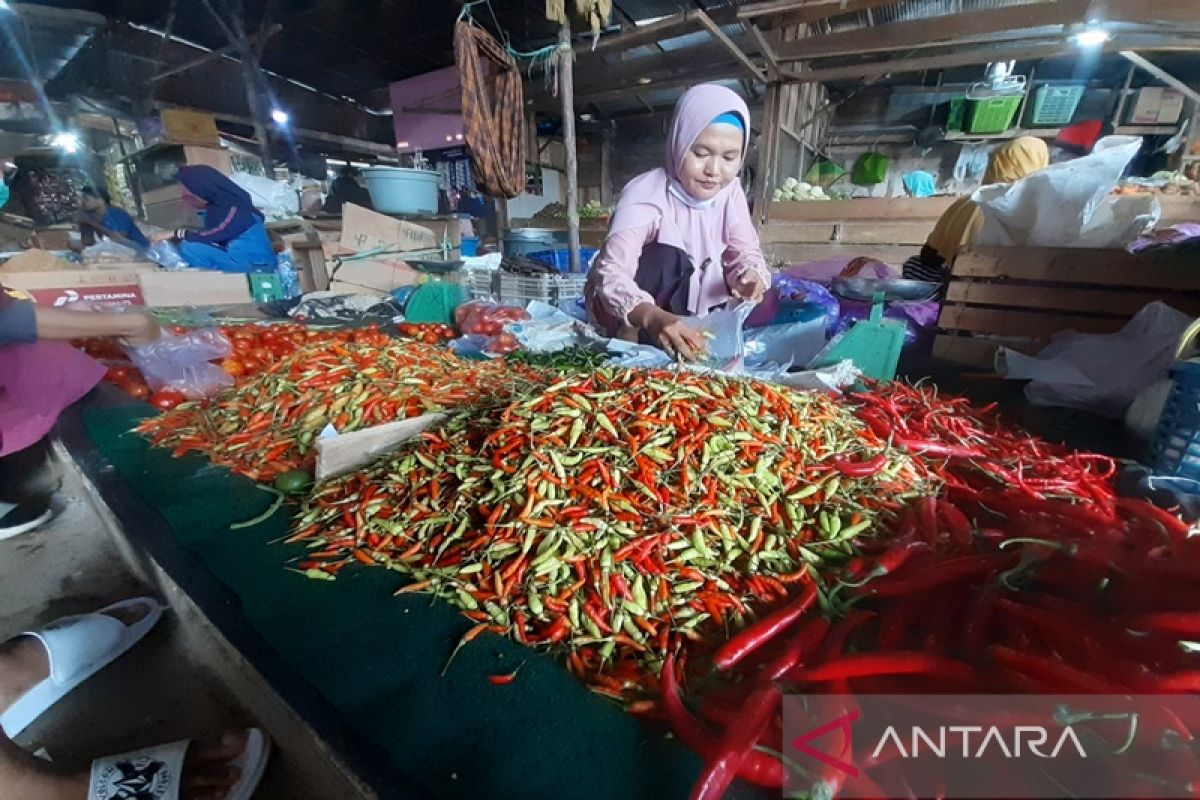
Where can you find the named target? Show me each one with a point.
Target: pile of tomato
(427, 332)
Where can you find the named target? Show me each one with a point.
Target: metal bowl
(893, 289)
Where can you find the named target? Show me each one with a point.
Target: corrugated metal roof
(918, 9)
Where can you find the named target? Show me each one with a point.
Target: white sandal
(155, 773)
(77, 648)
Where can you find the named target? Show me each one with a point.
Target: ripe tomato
(242, 345)
(119, 373)
(489, 327)
(233, 367)
(166, 399)
(263, 354)
(407, 329)
(135, 389)
(431, 337)
(251, 365)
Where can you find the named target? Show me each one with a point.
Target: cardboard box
(182, 126)
(106, 288)
(194, 287)
(1157, 105)
(364, 230)
(132, 286)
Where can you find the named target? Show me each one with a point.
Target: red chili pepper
(736, 743)
(1182, 623)
(939, 573)
(758, 767)
(956, 522)
(502, 680)
(798, 648)
(938, 449)
(1052, 672)
(764, 630)
(894, 662)
(860, 469)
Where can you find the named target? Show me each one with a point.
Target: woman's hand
(144, 329)
(162, 236)
(668, 331)
(749, 287)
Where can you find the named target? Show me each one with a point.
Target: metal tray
(893, 289)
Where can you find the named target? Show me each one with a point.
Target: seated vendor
(346, 189)
(234, 236)
(960, 223)
(681, 241)
(98, 216)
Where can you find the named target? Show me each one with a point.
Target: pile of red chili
(265, 426)
(1025, 574)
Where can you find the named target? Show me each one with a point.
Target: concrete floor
(182, 681)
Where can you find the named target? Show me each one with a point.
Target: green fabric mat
(377, 658)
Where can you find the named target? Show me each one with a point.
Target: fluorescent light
(1092, 36)
(335, 161)
(65, 141)
(586, 117)
(644, 81)
(280, 116)
(401, 144)
(458, 136)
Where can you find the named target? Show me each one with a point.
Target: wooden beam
(810, 13)
(258, 39)
(1161, 74)
(1029, 51)
(936, 31)
(823, 8)
(624, 89)
(661, 30)
(715, 31)
(347, 142)
(765, 48)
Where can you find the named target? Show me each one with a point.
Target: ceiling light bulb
(1092, 37)
(280, 116)
(65, 141)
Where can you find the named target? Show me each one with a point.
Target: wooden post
(606, 183)
(566, 89)
(768, 147)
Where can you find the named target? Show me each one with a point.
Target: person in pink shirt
(681, 241)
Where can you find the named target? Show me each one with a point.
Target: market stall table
(374, 660)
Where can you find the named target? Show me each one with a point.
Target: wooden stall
(889, 229)
(1019, 297)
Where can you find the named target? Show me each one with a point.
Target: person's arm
(746, 272)
(615, 269)
(219, 233)
(17, 322)
(133, 328)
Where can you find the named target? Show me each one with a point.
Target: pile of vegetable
(797, 191)
(265, 426)
(1024, 574)
(619, 513)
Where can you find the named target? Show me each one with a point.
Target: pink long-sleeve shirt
(612, 285)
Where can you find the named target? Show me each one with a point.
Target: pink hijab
(697, 228)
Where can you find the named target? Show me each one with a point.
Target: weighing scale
(873, 344)
(435, 299)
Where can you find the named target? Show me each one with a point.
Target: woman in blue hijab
(233, 237)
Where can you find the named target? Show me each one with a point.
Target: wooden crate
(1019, 297)
(888, 229)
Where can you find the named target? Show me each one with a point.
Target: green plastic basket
(265, 287)
(1055, 105)
(958, 113)
(993, 115)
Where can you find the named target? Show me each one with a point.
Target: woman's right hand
(672, 334)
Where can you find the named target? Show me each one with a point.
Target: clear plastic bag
(722, 330)
(182, 362)
(166, 255)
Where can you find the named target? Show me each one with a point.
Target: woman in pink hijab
(681, 242)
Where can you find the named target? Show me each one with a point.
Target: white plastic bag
(182, 362)
(166, 255)
(722, 330)
(1100, 373)
(1069, 204)
(275, 199)
(787, 344)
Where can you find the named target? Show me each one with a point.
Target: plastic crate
(1176, 448)
(560, 259)
(1055, 105)
(993, 115)
(511, 287)
(956, 115)
(266, 287)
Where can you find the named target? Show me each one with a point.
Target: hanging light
(280, 116)
(1091, 36)
(65, 141)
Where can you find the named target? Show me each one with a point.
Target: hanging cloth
(493, 124)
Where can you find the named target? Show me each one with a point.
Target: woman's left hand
(749, 287)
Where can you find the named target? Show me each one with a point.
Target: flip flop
(78, 647)
(157, 772)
